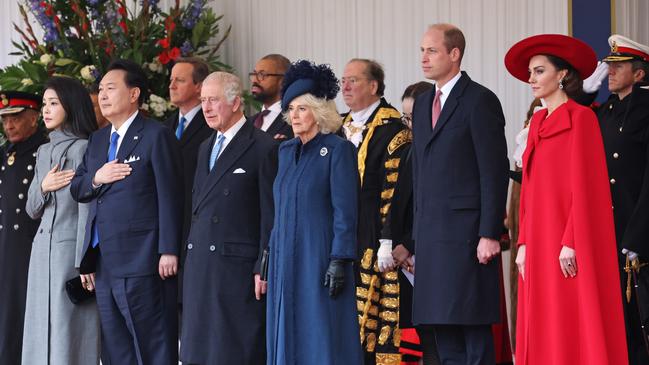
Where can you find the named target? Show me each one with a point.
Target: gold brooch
(4, 100)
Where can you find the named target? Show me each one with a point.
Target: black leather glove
(335, 277)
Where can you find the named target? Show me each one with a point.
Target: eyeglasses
(262, 75)
(406, 118)
(351, 80)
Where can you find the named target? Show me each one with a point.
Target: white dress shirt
(274, 111)
(122, 130)
(354, 131)
(229, 135)
(189, 116)
(446, 89)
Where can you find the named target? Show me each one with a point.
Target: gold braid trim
(385, 333)
(388, 359)
(387, 194)
(392, 178)
(392, 163)
(399, 139)
(366, 308)
(379, 119)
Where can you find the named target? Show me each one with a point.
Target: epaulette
(399, 139)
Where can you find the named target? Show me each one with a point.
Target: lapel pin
(324, 151)
(135, 137)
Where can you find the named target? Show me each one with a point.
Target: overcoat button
(616, 155)
(212, 248)
(16, 227)
(612, 181)
(226, 192)
(190, 246)
(215, 219)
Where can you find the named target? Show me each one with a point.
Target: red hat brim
(577, 53)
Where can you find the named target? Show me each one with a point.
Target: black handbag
(76, 292)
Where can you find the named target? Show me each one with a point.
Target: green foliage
(83, 36)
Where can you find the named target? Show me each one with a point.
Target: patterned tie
(112, 151)
(437, 106)
(259, 121)
(181, 127)
(216, 150)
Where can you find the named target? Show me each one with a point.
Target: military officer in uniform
(19, 113)
(375, 128)
(624, 121)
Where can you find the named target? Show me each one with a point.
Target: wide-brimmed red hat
(577, 53)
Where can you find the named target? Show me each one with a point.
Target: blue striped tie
(112, 151)
(216, 150)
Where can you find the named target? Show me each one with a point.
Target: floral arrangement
(81, 37)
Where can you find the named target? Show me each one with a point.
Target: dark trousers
(138, 319)
(460, 345)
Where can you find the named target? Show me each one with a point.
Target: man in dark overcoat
(232, 216)
(460, 188)
(19, 113)
(189, 126)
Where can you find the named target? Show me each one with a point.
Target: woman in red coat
(569, 304)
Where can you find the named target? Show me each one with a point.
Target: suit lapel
(276, 126)
(450, 105)
(194, 126)
(131, 139)
(241, 142)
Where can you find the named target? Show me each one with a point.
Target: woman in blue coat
(311, 316)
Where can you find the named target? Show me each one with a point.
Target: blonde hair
(324, 112)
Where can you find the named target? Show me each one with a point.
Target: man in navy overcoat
(130, 175)
(232, 216)
(460, 186)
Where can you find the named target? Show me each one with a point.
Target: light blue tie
(216, 150)
(181, 127)
(112, 151)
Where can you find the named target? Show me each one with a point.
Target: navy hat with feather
(305, 77)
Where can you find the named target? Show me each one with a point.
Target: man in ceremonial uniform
(266, 86)
(19, 113)
(375, 128)
(624, 121)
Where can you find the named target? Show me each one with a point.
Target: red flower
(164, 58)
(49, 10)
(174, 53)
(122, 24)
(57, 21)
(164, 43)
(169, 24)
(84, 26)
(122, 11)
(43, 4)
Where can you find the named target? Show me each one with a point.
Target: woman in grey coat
(57, 331)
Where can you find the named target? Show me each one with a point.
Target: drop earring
(561, 84)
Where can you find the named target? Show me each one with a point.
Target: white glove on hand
(384, 256)
(594, 81)
(632, 255)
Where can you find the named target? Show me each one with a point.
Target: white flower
(145, 106)
(46, 59)
(155, 66)
(86, 73)
(27, 82)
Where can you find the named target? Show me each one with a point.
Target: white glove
(384, 256)
(632, 255)
(594, 81)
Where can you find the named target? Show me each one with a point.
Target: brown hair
(572, 82)
(641, 65)
(200, 68)
(414, 90)
(453, 37)
(374, 72)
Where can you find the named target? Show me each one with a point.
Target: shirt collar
(362, 115)
(446, 89)
(190, 114)
(274, 108)
(232, 131)
(122, 130)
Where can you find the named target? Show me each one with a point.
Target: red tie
(259, 121)
(437, 106)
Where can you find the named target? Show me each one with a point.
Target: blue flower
(186, 49)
